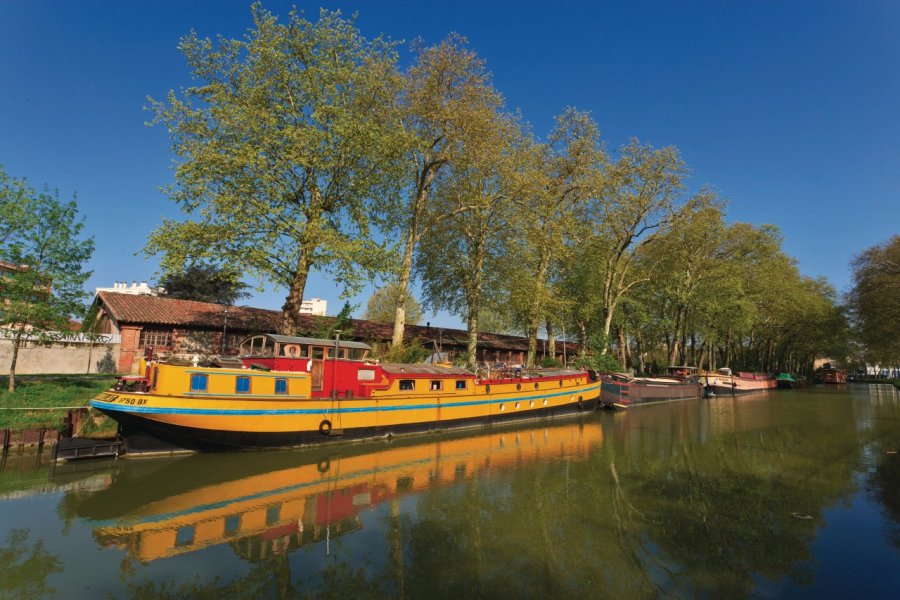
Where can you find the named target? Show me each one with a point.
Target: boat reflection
(265, 504)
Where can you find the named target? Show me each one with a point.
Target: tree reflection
(24, 567)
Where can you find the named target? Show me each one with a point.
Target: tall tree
(205, 283)
(874, 300)
(447, 103)
(382, 306)
(42, 255)
(563, 174)
(636, 205)
(455, 262)
(283, 147)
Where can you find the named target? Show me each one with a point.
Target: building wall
(68, 358)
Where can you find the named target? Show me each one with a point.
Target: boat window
(461, 384)
(330, 352)
(184, 536)
(407, 384)
(155, 377)
(365, 375)
(242, 385)
(435, 385)
(304, 351)
(318, 353)
(199, 382)
(281, 386)
(273, 514)
(232, 525)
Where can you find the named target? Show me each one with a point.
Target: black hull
(143, 436)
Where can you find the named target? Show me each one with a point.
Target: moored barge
(294, 391)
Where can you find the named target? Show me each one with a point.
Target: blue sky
(791, 110)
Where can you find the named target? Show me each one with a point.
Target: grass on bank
(42, 393)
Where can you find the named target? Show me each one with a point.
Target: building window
(155, 338)
(199, 382)
(461, 384)
(407, 384)
(281, 386)
(242, 385)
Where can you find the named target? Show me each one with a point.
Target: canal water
(790, 493)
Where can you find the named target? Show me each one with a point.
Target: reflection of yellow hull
(218, 418)
(293, 506)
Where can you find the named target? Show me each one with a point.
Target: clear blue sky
(791, 110)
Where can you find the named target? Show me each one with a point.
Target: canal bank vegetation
(42, 400)
(42, 256)
(306, 146)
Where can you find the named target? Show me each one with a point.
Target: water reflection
(268, 504)
(730, 497)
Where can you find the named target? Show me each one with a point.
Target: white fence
(62, 352)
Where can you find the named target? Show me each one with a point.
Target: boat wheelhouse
(285, 391)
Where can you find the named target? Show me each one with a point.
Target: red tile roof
(158, 310)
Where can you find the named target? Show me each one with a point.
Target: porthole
(517, 406)
(531, 404)
(487, 389)
(560, 383)
(502, 408)
(518, 386)
(536, 385)
(545, 402)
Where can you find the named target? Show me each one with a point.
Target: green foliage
(382, 306)
(25, 566)
(41, 242)
(284, 152)
(603, 363)
(205, 283)
(875, 301)
(327, 327)
(410, 353)
(549, 362)
(43, 393)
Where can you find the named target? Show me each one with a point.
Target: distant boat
(724, 382)
(785, 381)
(833, 375)
(622, 389)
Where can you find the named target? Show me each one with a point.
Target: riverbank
(43, 400)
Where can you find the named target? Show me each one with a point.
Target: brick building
(184, 328)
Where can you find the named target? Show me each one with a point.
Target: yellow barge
(293, 391)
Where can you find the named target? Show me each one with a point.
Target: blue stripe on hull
(128, 408)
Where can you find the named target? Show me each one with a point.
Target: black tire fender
(325, 427)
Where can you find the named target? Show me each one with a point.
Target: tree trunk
(472, 345)
(403, 289)
(551, 340)
(539, 279)
(532, 346)
(423, 180)
(290, 312)
(12, 366)
(582, 338)
(623, 347)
